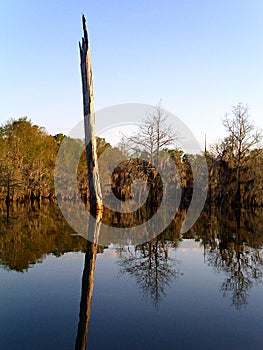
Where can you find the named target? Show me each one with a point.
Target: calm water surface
(200, 291)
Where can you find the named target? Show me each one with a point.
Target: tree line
(235, 163)
(27, 162)
(28, 156)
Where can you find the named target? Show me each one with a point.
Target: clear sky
(200, 57)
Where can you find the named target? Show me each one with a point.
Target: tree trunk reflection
(87, 286)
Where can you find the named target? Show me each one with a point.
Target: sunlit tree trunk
(95, 199)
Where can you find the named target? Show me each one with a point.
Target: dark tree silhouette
(151, 266)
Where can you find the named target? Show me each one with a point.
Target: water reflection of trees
(151, 265)
(233, 241)
(31, 233)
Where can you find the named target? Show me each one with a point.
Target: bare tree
(154, 135)
(242, 134)
(242, 138)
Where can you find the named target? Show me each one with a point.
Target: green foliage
(27, 160)
(28, 157)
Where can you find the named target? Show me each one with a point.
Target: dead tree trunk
(95, 198)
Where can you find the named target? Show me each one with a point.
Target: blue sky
(199, 57)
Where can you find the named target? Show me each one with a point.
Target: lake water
(202, 290)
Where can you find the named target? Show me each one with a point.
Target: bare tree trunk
(95, 199)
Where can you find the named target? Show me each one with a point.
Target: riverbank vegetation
(235, 164)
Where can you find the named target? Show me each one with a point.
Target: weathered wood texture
(95, 199)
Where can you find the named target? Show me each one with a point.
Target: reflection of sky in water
(39, 308)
